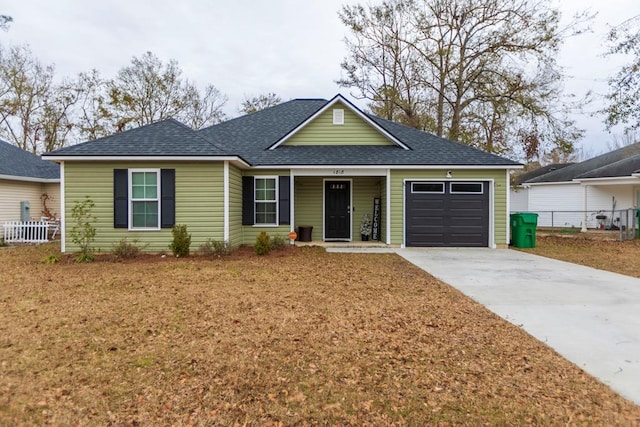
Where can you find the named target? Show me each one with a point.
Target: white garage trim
(491, 216)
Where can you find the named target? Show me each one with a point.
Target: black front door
(337, 215)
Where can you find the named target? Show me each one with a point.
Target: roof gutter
(379, 166)
(62, 158)
(611, 180)
(30, 179)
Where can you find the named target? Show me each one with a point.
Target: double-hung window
(144, 199)
(266, 201)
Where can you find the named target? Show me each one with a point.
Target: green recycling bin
(523, 229)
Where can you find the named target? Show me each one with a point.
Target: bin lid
(527, 217)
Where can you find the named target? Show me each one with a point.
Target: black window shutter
(284, 199)
(247, 200)
(167, 198)
(120, 195)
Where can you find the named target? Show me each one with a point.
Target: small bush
(279, 242)
(51, 259)
(127, 249)
(181, 241)
(84, 257)
(263, 244)
(215, 247)
(83, 233)
(2, 242)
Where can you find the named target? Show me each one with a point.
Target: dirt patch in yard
(298, 337)
(592, 250)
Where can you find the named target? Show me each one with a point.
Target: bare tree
(259, 102)
(381, 64)
(477, 71)
(34, 112)
(149, 90)
(204, 108)
(93, 119)
(628, 137)
(5, 20)
(624, 87)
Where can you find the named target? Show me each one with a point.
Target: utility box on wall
(25, 211)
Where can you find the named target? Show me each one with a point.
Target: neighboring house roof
(524, 177)
(15, 163)
(621, 162)
(255, 138)
(166, 138)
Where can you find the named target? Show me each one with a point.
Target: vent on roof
(338, 116)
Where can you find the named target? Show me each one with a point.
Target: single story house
(580, 192)
(306, 162)
(29, 186)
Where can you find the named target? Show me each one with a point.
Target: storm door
(337, 210)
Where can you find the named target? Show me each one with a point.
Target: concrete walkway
(589, 316)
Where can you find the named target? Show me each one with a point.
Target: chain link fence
(624, 222)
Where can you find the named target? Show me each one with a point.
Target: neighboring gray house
(26, 177)
(578, 192)
(519, 197)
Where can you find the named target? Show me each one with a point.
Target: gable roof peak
(354, 109)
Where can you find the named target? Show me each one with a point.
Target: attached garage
(447, 213)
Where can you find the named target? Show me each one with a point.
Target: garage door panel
(445, 219)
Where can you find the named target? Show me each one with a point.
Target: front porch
(335, 206)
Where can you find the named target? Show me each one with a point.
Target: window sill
(265, 225)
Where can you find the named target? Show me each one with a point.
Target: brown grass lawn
(298, 337)
(592, 251)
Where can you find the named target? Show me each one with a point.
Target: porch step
(350, 245)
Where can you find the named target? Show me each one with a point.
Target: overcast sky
(247, 47)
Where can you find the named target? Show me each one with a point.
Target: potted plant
(365, 227)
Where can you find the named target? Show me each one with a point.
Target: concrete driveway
(589, 316)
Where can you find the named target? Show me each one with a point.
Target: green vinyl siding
(499, 207)
(199, 202)
(363, 191)
(354, 131)
(308, 193)
(235, 206)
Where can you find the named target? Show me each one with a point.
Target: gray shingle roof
(524, 177)
(16, 162)
(621, 162)
(250, 137)
(166, 138)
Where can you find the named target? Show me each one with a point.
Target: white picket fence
(26, 232)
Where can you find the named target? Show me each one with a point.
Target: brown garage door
(447, 213)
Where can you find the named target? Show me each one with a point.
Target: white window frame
(451, 191)
(414, 191)
(131, 200)
(255, 201)
(338, 116)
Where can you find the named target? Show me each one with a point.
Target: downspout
(508, 213)
(226, 202)
(63, 220)
(584, 211)
(292, 221)
(388, 219)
